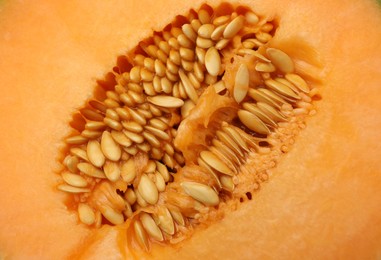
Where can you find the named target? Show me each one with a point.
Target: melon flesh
(324, 204)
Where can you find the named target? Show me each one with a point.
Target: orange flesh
(325, 203)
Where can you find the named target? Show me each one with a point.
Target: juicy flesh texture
(301, 211)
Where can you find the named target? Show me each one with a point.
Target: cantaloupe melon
(317, 195)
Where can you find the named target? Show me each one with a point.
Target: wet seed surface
(126, 161)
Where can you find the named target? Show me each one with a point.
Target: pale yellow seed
(213, 161)
(71, 163)
(189, 88)
(206, 30)
(109, 147)
(235, 135)
(184, 41)
(251, 18)
(218, 32)
(252, 122)
(89, 134)
(137, 116)
(221, 44)
(95, 125)
(226, 139)
(95, 154)
(157, 132)
(112, 215)
(160, 68)
(189, 32)
(157, 123)
(72, 189)
(186, 54)
(187, 107)
(204, 43)
(151, 227)
(281, 60)
(281, 89)
(213, 61)
(111, 103)
(204, 16)
(74, 179)
(141, 235)
(195, 23)
(219, 86)
(201, 193)
(112, 171)
(206, 167)
(162, 169)
(91, 114)
(187, 65)
(265, 67)
(160, 183)
(80, 153)
(112, 114)
(86, 214)
(177, 216)
(241, 83)
(132, 126)
(200, 53)
(271, 112)
(263, 36)
(91, 170)
(234, 27)
(165, 221)
(113, 124)
(127, 210)
(123, 113)
(227, 183)
(128, 170)
(221, 20)
(166, 85)
(298, 81)
(121, 138)
(130, 196)
(251, 107)
(166, 101)
(148, 190)
(151, 139)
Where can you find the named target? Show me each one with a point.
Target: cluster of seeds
(122, 165)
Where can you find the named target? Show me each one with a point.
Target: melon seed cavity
(190, 125)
